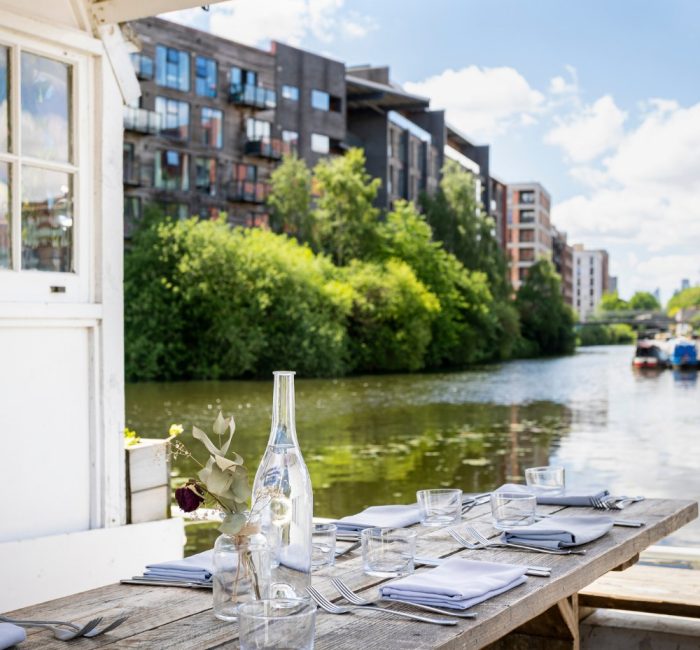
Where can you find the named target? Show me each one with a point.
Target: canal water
(377, 439)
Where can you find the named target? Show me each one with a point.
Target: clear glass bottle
(282, 492)
(241, 573)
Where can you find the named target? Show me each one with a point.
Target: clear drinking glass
(323, 552)
(545, 480)
(510, 509)
(388, 552)
(440, 507)
(287, 623)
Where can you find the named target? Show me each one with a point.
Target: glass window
(212, 127)
(527, 196)
(205, 76)
(174, 117)
(527, 216)
(4, 101)
(246, 173)
(205, 175)
(172, 68)
(45, 100)
(143, 65)
(5, 221)
(178, 211)
(171, 171)
(320, 100)
(257, 129)
(291, 141)
(47, 220)
(291, 93)
(320, 143)
(130, 167)
(241, 77)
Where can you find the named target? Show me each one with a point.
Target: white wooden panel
(44, 431)
(59, 12)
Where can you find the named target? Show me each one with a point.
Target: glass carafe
(282, 493)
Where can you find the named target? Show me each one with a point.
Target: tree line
(336, 286)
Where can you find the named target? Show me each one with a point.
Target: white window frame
(17, 285)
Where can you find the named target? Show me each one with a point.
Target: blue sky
(598, 100)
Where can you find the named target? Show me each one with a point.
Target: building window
(172, 68)
(527, 254)
(256, 130)
(320, 143)
(527, 196)
(248, 173)
(205, 175)
(241, 77)
(527, 235)
(291, 93)
(171, 171)
(205, 76)
(291, 141)
(527, 216)
(212, 127)
(173, 210)
(320, 100)
(522, 274)
(129, 165)
(174, 117)
(143, 66)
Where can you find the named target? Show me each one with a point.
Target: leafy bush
(620, 333)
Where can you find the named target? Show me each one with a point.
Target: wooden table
(543, 612)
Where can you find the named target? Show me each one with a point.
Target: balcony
(271, 148)
(141, 120)
(253, 96)
(247, 191)
(138, 174)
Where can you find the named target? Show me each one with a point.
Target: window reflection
(47, 220)
(4, 93)
(45, 108)
(5, 230)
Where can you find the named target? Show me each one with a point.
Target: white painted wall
(588, 282)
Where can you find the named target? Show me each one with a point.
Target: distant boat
(684, 355)
(649, 355)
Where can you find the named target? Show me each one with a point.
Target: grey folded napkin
(560, 532)
(397, 516)
(457, 583)
(196, 568)
(11, 635)
(566, 499)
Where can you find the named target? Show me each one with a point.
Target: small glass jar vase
(241, 573)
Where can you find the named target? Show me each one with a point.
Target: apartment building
(498, 204)
(563, 260)
(215, 118)
(529, 229)
(591, 280)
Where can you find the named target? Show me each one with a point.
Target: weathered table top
(173, 617)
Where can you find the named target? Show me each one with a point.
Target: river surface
(377, 439)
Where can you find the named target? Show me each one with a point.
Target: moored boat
(649, 355)
(685, 355)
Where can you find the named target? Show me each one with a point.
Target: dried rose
(188, 498)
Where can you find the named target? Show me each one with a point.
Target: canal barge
(649, 355)
(684, 355)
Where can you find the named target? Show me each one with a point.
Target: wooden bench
(652, 589)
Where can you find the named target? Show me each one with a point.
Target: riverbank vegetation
(337, 287)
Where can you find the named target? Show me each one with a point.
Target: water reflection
(371, 440)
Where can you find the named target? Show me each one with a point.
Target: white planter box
(148, 481)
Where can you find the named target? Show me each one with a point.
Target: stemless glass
(323, 551)
(545, 480)
(388, 552)
(511, 509)
(277, 623)
(440, 507)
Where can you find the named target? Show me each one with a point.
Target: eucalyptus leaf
(240, 488)
(220, 425)
(226, 463)
(233, 523)
(217, 481)
(227, 444)
(204, 439)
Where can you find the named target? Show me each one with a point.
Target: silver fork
(355, 598)
(484, 542)
(332, 608)
(57, 627)
(600, 504)
(90, 633)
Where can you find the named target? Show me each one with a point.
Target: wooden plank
(626, 565)
(659, 590)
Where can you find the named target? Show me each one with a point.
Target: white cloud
(256, 22)
(588, 133)
(482, 102)
(560, 86)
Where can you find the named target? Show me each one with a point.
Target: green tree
(644, 300)
(546, 321)
(683, 300)
(345, 215)
(290, 199)
(613, 302)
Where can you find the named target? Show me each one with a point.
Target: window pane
(320, 143)
(174, 117)
(45, 108)
(47, 220)
(205, 175)
(320, 100)
(291, 93)
(171, 171)
(4, 109)
(172, 68)
(205, 71)
(5, 229)
(212, 127)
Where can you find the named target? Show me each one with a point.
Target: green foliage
(684, 299)
(290, 199)
(620, 333)
(613, 302)
(643, 300)
(546, 321)
(391, 317)
(345, 214)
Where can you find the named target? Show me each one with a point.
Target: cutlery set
(66, 630)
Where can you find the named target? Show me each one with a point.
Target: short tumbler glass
(545, 480)
(511, 509)
(440, 507)
(323, 546)
(277, 623)
(388, 552)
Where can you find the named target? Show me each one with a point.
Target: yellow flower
(175, 430)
